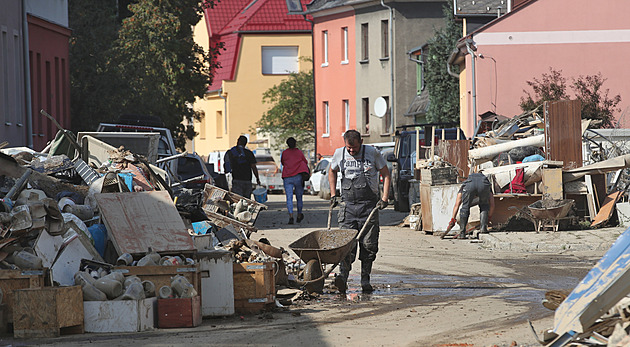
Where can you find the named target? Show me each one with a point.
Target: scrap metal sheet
(601, 289)
(137, 221)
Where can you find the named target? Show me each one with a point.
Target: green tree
(443, 88)
(291, 112)
(93, 82)
(596, 103)
(163, 69)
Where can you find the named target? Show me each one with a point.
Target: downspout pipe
(314, 89)
(391, 67)
(224, 110)
(474, 84)
(27, 78)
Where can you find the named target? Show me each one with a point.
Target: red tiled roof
(229, 18)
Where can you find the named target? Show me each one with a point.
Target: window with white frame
(326, 119)
(325, 47)
(279, 60)
(346, 114)
(344, 33)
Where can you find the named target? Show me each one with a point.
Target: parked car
(269, 173)
(404, 157)
(316, 176)
(192, 172)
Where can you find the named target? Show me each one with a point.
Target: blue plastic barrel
(99, 235)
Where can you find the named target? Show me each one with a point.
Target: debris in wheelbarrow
(548, 212)
(321, 247)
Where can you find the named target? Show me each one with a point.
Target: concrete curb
(573, 241)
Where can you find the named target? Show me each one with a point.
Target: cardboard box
(179, 313)
(43, 312)
(12, 280)
(254, 286)
(119, 316)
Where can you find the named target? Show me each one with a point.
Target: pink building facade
(334, 67)
(578, 37)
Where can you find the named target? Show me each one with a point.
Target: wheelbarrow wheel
(313, 271)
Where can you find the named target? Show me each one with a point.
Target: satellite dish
(380, 107)
(294, 6)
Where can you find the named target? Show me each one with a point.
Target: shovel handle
(329, 215)
(366, 223)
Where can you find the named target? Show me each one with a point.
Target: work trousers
(242, 188)
(354, 216)
(476, 186)
(290, 184)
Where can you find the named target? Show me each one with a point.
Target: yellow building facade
(234, 109)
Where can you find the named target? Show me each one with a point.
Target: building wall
(373, 75)
(589, 39)
(13, 127)
(414, 25)
(334, 82)
(50, 78)
(244, 94)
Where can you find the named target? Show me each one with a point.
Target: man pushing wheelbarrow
(359, 166)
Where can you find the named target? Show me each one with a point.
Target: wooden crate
(438, 176)
(179, 313)
(12, 280)
(44, 312)
(213, 210)
(161, 275)
(254, 286)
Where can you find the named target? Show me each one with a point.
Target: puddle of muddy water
(451, 287)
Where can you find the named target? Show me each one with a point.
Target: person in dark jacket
(241, 162)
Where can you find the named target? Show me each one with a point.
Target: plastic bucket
(260, 195)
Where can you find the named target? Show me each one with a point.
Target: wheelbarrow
(548, 213)
(321, 247)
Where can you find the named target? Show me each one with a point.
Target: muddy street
(429, 292)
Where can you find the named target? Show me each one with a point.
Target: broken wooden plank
(607, 208)
(137, 221)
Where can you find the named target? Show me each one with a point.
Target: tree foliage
(443, 88)
(596, 103)
(93, 82)
(151, 67)
(291, 112)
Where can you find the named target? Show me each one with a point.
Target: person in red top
(293, 165)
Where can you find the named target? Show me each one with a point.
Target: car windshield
(322, 165)
(188, 167)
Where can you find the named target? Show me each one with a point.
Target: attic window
(279, 60)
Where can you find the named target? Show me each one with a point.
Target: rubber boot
(341, 280)
(366, 270)
(463, 222)
(484, 221)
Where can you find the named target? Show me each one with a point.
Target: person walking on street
(241, 162)
(294, 164)
(476, 186)
(359, 166)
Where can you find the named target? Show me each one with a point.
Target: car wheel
(311, 190)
